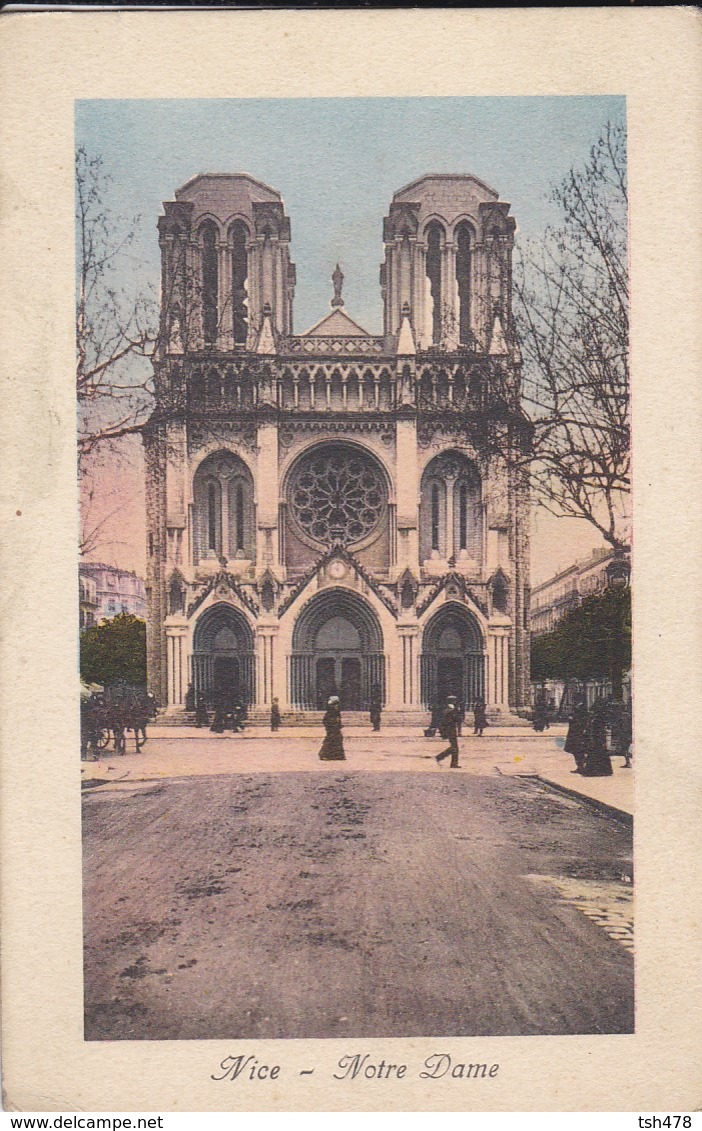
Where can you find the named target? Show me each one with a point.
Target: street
(341, 902)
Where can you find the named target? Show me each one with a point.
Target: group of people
(594, 733)
(109, 714)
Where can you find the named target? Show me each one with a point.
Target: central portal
(338, 669)
(337, 650)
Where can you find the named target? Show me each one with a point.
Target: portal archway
(223, 663)
(337, 650)
(453, 657)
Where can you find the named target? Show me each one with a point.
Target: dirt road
(340, 904)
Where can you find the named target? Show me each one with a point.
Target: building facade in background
(106, 591)
(337, 511)
(567, 589)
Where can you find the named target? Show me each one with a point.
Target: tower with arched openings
(337, 510)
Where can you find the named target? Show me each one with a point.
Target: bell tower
(448, 258)
(225, 265)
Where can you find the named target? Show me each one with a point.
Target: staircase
(419, 718)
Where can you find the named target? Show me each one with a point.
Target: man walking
(449, 729)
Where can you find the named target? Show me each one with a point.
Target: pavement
(331, 903)
(509, 751)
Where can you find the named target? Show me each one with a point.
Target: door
(350, 684)
(226, 680)
(449, 678)
(326, 681)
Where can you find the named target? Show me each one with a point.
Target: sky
(337, 163)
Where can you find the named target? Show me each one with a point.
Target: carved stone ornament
(337, 496)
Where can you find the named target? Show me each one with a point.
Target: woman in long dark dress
(576, 742)
(598, 763)
(332, 749)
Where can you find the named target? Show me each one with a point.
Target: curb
(620, 815)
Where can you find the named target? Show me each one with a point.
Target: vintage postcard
(347, 755)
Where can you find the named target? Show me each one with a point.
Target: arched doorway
(453, 657)
(337, 650)
(223, 664)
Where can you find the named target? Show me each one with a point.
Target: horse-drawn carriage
(108, 714)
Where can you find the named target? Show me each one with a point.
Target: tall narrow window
(463, 517)
(210, 283)
(240, 301)
(435, 516)
(212, 517)
(463, 281)
(240, 517)
(434, 241)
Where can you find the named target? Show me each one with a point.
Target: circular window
(337, 495)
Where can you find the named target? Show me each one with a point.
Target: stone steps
(260, 716)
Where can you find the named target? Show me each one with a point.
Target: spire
(338, 281)
(405, 339)
(266, 340)
(498, 343)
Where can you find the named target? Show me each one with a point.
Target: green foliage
(115, 649)
(591, 642)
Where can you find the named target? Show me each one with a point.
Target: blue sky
(337, 163)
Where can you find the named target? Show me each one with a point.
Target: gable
(336, 325)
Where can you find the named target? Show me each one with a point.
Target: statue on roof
(338, 281)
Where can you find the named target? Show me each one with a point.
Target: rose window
(337, 496)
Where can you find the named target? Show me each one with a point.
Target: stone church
(336, 511)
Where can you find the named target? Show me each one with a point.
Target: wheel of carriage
(103, 738)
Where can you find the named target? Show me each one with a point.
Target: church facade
(336, 511)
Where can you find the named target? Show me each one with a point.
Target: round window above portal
(337, 496)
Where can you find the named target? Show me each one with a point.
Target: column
(449, 548)
(225, 333)
(406, 478)
(177, 676)
(497, 674)
(267, 678)
(409, 689)
(267, 498)
(225, 518)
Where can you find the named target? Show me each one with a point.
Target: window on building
(210, 282)
(451, 517)
(223, 511)
(435, 516)
(239, 515)
(435, 241)
(213, 516)
(463, 270)
(462, 517)
(240, 302)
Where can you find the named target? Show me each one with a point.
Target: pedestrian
(275, 715)
(88, 731)
(435, 720)
(540, 716)
(201, 716)
(461, 708)
(236, 716)
(627, 735)
(220, 715)
(598, 763)
(332, 749)
(449, 729)
(479, 718)
(190, 699)
(577, 736)
(376, 706)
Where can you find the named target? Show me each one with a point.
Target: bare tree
(572, 312)
(116, 329)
